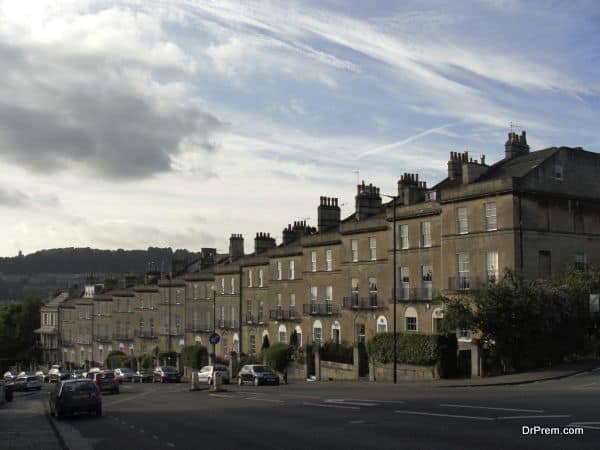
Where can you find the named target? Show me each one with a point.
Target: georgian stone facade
(532, 211)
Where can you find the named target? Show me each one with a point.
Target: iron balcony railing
(123, 337)
(66, 342)
(424, 293)
(285, 315)
(103, 339)
(176, 331)
(146, 334)
(465, 283)
(227, 324)
(250, 319)
(83, 340)
(356, 302)
(326, 308)
(194, 328)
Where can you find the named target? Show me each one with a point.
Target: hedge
(416, 348)
(194, 356)
(170, 357)
(332, 351)
(278, 356)
(147, 362)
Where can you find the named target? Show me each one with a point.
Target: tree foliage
(194, 356)
(525, 323)
(18, 342)
(278, 356)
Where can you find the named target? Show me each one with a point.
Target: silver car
(207, 373)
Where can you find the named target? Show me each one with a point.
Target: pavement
(327, 415)
(24, 424)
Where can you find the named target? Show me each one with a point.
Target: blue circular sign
(214, 338)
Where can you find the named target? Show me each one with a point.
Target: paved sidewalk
(24, 424)
(533, 376)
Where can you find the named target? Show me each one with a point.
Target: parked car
(77, 374)
(9, 376)
(18, 383)
(143, 375)
(257, 374)
(42, 375)
(164, 374)
(74, 396)
(32, 382)
(58, 373)
(124, 374)
(105, 380)
(207, 373)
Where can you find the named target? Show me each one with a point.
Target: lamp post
(394, 292)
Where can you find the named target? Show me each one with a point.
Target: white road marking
(264, 400)
(300, 396)
(128, 398)
(142, 431)
(456, 416)
(220, 395)
(357, 421)
(132, 427)
(343, 401)
(154, 436)
(170, 444)
(453, 405)
(553, 416)
(322, 405)
(581, 386)
(590, 425)
(373, 401)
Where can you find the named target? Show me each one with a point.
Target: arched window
(198, 340)
(317, 332)
(299, 333)
(336, 332)
(436, 320)
(236, 343)
(410, 319)
(282, 334)
(382, 325)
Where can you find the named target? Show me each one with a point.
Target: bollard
(194, 386)
(8, 393)
(216, 382)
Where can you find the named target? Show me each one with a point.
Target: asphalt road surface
(310, 415)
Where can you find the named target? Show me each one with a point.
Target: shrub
(413, 348)
(167, 358)
(242, 361)
(278, 356)
(332, 351)
(194, 356)
(147, 362)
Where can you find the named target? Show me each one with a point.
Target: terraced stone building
(533, 211)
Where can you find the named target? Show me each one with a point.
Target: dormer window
(558, 169)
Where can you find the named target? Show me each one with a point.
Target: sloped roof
(519, 166)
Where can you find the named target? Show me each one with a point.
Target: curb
(514, 383)
(61, 441)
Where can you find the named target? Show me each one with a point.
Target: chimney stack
(328, 213)
(516, 145)
(410, 189)
(236, 246)
(368, 201)
(263, 242)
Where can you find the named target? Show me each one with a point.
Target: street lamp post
(394, 292)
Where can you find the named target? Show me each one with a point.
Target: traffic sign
(214, 338)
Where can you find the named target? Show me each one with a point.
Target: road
(315, 416)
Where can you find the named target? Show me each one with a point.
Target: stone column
(318, 364)
(356, 363)
(476, 359)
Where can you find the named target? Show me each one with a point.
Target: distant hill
(84, 260)
(45, 271)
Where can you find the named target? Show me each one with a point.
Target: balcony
(227, 324)
(461, 283)
(285, 315)
(145, 334)
(365, 303)
(250, 319)
(103, 339)
(194, 328)
(320, 309)
(66, 342)
(172, 332)
(83, 340)
(408, 294)
(123, 337)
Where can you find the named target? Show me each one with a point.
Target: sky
(128, 124)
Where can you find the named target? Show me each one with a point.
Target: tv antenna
(514, 126)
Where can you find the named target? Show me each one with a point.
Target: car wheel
(256, 381)
(209, 381)
(162, 380)
(239, 381)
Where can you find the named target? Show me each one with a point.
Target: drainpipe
(520, 232)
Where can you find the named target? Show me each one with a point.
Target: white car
(207, 373)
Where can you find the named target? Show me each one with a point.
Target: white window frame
(232, 285)
(261, 278)
(328, 260)
(426, 234)
(462, 220)
(491, 267)
(372, 248)
(292, 269)
(292, 299)
(354, 250)
(382, 324)
(313, 261)
(279, 270)
(463, 262)
(404, 241)
(490, 216)
(249, 277)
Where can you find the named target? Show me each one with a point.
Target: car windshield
(259, 369)
(80, 386)
(169, 369)
(108, 375)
